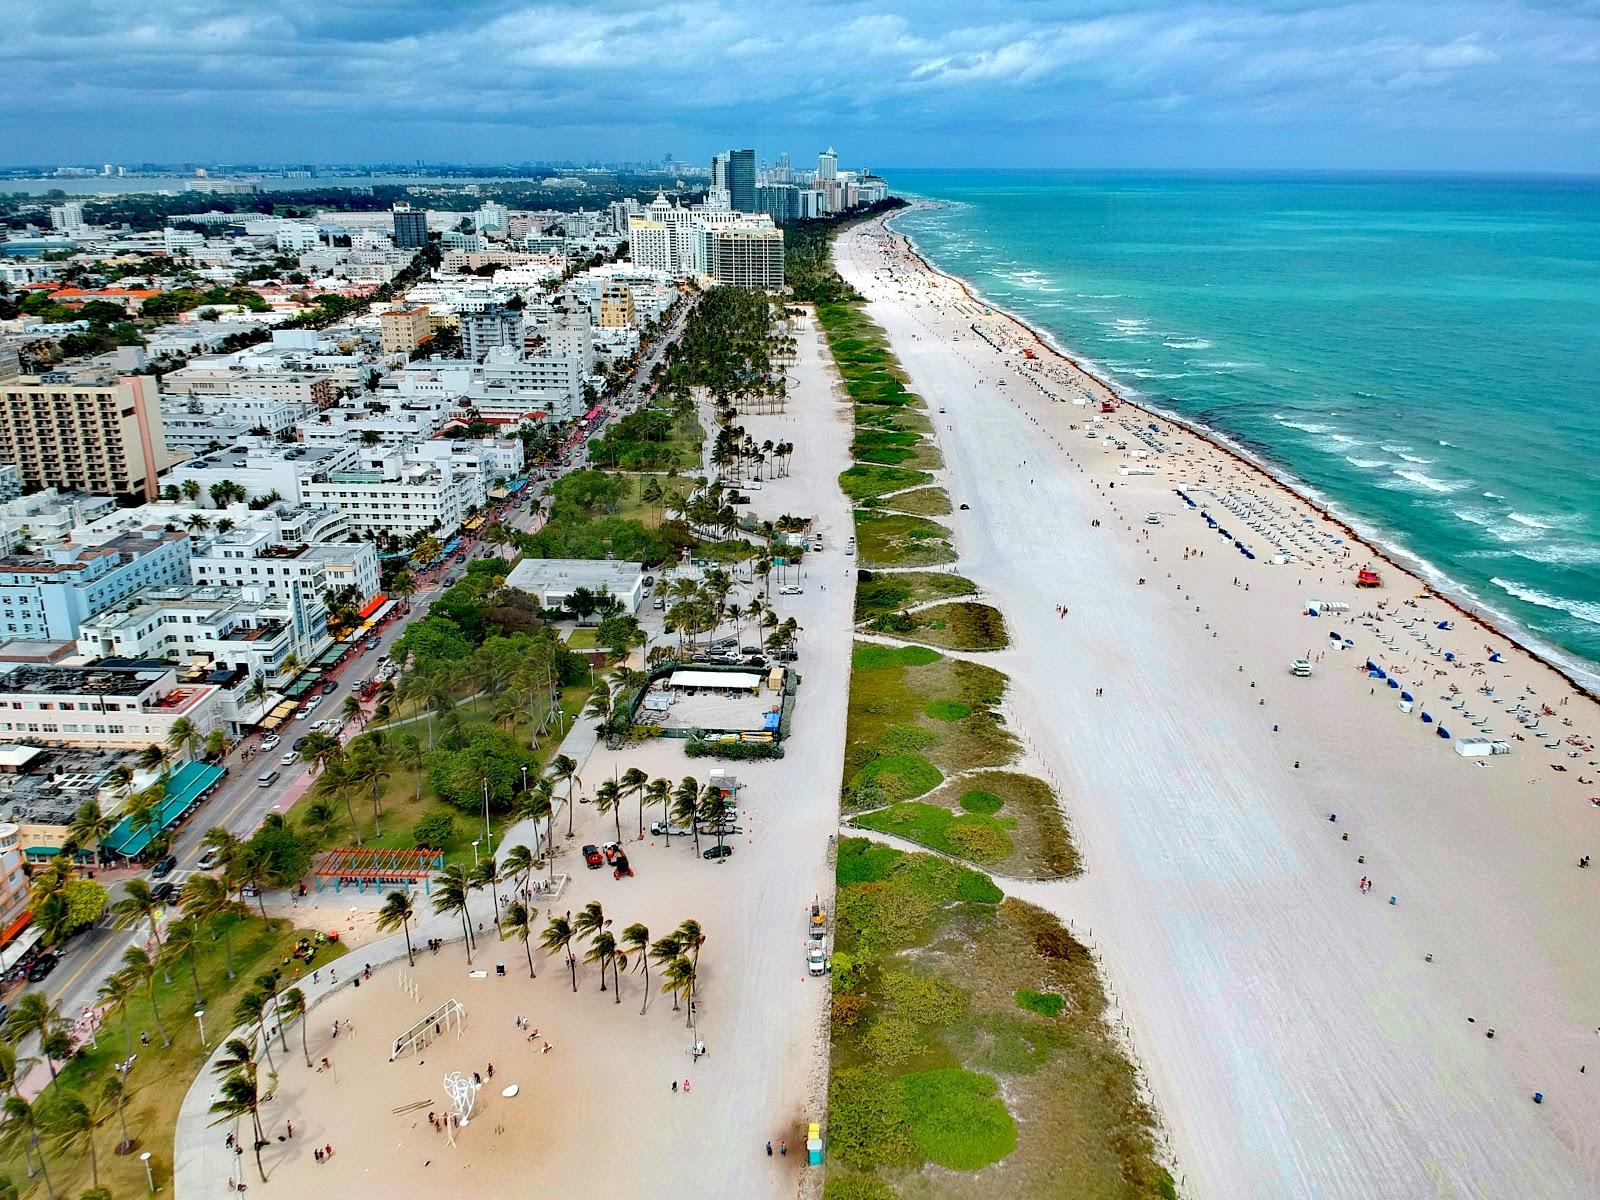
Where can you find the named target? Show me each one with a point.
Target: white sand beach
(1297, 1039)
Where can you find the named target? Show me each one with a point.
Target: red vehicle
(592, 856)
(620, 867)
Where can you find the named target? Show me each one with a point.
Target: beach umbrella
(1427, 719)
(1443, 732)
(1394, 684)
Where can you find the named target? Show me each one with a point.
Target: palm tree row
(678, 953)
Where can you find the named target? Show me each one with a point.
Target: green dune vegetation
(970, 1050)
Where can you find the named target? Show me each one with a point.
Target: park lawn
(161, 1076)
(893, 540)
(960, 625)
(895, 747)
(889, 592)
(582, 638)
(970, 1051)
(1000, 820)
(633, 508)
(922, 457)
(919, 502)
(680, 448)
(861, 482)
(401, 808)
(901, 420)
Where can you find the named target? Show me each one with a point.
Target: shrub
(868, 1124)
(857, 1187)
(901, 776)
(981, 802)
(923, 999)
(947, 710)
(862, 861)
(434, 831)
(848, 1009)
(957, 1119)
(882, 658)
(741, 751)
(1046, 1004)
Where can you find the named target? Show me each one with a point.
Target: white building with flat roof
(553, 580)
(388, 495)
(263, 466)
(133, 705)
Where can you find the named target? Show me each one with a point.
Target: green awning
(184, 787)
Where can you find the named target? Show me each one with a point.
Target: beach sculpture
(463, 1093)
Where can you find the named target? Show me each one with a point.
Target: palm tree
(408, 753)
(257, 692)
(114, 994)
(72, 1128)
(633, 784)
(397, 912)
(536, 805)
(558, 934)
(404, 585)
(518, 923)
(33, 1013)
(238, 1094)
(352, 712)
(602, 949)
(114, 1095)
(679, 980)
(137, 966)
(636, 941)
(184, 945)
(205, 899)
(268, 982)
(666, 950)
(90, 826)
(487, 874)
(564, 769)
(153, 758)
(185, 735)
(591, 920)
(251, 1008)
(659, 791)
(292, 1006)
(518, 866)
(320, 818)
(608, 799)
(23, 1122)
(686, 806)
(452, 893)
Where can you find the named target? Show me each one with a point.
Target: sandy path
(1296, 1041)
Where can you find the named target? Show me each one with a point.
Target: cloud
(938, 80)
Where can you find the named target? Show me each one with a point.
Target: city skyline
(1121, 84)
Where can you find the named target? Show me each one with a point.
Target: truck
(819, 922)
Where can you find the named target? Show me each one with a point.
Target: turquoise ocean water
(1420, 353)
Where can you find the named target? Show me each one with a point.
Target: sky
(1511, 85)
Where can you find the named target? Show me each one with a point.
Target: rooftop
(97, 679)
(563, 574)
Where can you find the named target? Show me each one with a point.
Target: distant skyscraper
(827, 165)
(742, 180)
(410, 228)
(67, 218)
(719, 171)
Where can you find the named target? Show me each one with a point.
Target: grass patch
(922, 502)
(1046, 1004)
(969, 1033)
(893, 540)
(891, 691)
(957, 1120)
(878, 594)
(1041, 848)
(981, 802)
(161, 1075)
(962, 625)
(980, 837)
(904, 418)
(864, 482)
(582, 638)
(947, 710)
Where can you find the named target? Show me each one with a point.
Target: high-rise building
(827, 165)
(719, 170)
(97, 433)
(67, 218)
(742, 180)
(401, 330)
(616, 306)
(410, 227)
(780, 201)
(745, 257)
(483, 331)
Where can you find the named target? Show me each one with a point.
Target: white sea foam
(1493, 496)
(1543, 521)
(1303, 426)
(1429, 483)
(1584, 610)
(1442, 442)
(1189, 344)
(1564, 554)
(1227, 364)
(1345, 439)
(1496, 526)
(1413, 458)
(1367, 464)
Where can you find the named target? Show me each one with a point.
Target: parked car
(817, 961)
(164, 892)
(313, 704)
(592, 856)
(163, 867)
(791, 589)
(270, 742)
(42, 966)
(786, 654)
(661, 829)
(717, 852)
(300, 714)
(756, 661)
(329, 687)
(208, 859)
(749, 649)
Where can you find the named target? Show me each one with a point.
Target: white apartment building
(263, 466)
(387, 494)
(676, 241)
(210, 378)
(102, 705)
(49, 593)
(387, 418)
(293, 237)
(182, 241)
(197, 423)
(67, 218)
(505, 387)
(243, 630)
(49, 515)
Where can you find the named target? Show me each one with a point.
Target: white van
(1300, 668)
(267, 779)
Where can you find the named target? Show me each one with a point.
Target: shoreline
(1438, 584)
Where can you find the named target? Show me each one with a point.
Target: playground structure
(463, 1092)
(408, 985)
(422, 1032)
(377, 868)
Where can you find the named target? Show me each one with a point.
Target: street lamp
(149, 1175)
(488, 838)
(474, 851)
(200, 1017)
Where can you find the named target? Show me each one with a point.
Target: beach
(1300, 1034)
